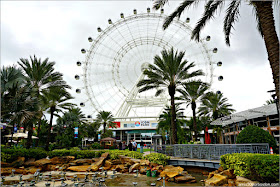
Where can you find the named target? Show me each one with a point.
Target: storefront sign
(142, 123)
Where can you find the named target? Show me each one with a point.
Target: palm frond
(159, 3)
(209, 11)
(232, 15)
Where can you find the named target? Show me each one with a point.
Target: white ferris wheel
(114, 62)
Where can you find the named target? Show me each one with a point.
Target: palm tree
(270, 101)
(105, 118)
(56, 99)
(192, 92)
(41, 76)
(265, 24)
(168, 72)
(214, 105)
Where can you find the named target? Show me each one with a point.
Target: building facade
(265, 117)
(138, 130)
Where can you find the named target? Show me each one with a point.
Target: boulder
(216, 180)
(68, 158)
(231, 182)
(120, 168)
(220, 169)
(105, 155)
(8, 171)
(116, 162)
(184, 178)
(19, 162)
(152, 165)
(135, 160)
(144, 162)
(228, 173)
(83, 161)
(82, 168)
(96, 165)
(5, 164)
(58, 160)
(30, 162)
(168, 167)
(33, 169)
(42, 162)
(51, 167)
(241, 181)
(206, 173)
(143, 169)
(211, 174)
(159, 168)
(107, 165)
(126, 160)
(172, 172)
(63, 167)
(134, 167)
(95, 159)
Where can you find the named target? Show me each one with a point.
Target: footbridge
(206, 155)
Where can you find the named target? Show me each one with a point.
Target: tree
(192, 92)
(40, 75)
(214, 105)
(65, 127)
(106, 119)
(55, 98)
(270, 101)
(265, 24)
(168, 72)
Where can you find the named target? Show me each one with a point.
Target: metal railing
(210, 151)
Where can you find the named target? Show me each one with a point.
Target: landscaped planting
(260, 167)
(157, 158)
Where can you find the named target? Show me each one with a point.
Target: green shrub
(114, 154)
(157, 158)
(260, 167)
(36, 153)
(254, 134)
(5, 157)
(96, 145)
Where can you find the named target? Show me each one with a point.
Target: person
(123, 145)
(130, 146)
(141, 146)
(120, 145)
(134, 145)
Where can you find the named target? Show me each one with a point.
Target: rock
(184, 178)
(82, 168)
(192, 181)
(144, 162)
(211, 174)
(5, 164)
(153, 165)
(59, 160)
(51, 167)
(68, 158)
(242, 181)
(33, 169)
(96, 165)
(143, 169)
(134, 167)
(105, 155)
(159, 168)
(220, 169)
(19, 162)
(135, 160)
(116, 162)
(63, 167)
(171, 172)
(120, 168)
(107, 165)
(30, 162)
(8, 171)
(126, 160)
(83, 161)
(231, 182)
(216, 180)
(228, 173)
(168, 167)
(205, 173)
(42, 162)
(95, 159)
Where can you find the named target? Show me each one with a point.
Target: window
(124, 125)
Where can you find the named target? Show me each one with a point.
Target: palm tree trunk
(29, 137)
(49, 129)
(267, 24)
(38, 132)
(104, 128)
(194, 120)
(173, 120)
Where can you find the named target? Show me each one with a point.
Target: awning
(141, 131)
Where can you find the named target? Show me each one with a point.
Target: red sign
(117, 124)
